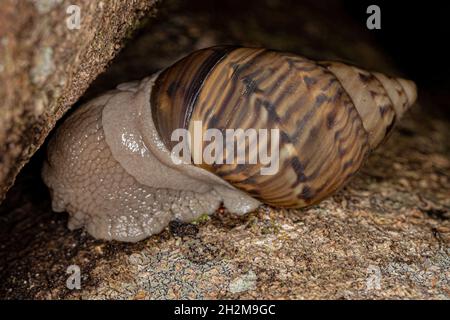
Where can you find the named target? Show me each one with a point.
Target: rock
(46, 65)
(243, 283)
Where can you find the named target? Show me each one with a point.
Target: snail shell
(109, 163)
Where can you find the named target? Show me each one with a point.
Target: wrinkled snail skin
(108, 168)
(109, 163)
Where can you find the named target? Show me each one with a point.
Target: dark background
(416, 35)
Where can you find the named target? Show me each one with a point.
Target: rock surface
(46, 64)
(385, 235)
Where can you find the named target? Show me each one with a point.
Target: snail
(110, 164)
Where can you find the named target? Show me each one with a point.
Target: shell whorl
(330, 115)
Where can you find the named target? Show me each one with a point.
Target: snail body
(110, 164)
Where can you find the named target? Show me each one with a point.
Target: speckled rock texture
(385, 235)
(46, 65)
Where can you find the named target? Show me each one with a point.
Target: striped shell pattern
(330, 115)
